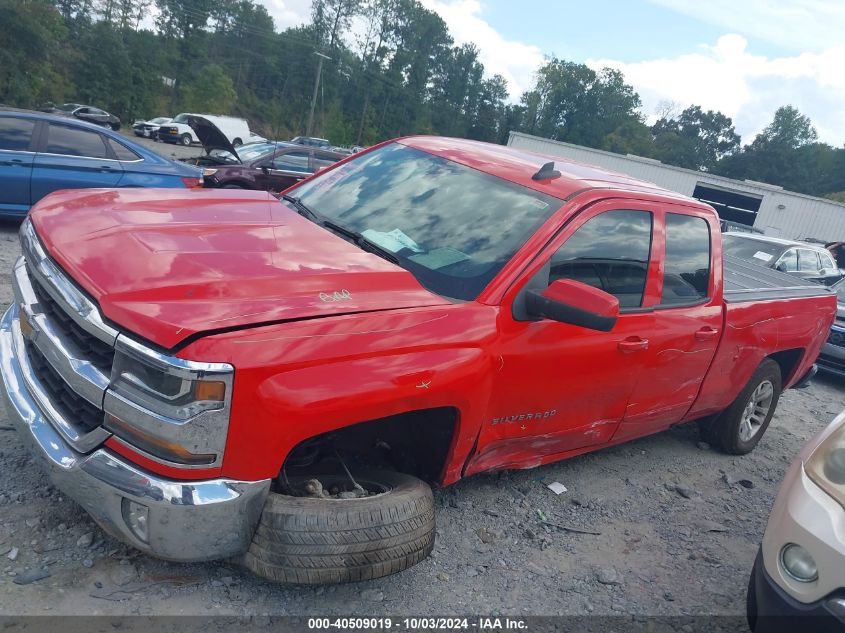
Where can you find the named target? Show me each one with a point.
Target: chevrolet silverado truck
(217, 374)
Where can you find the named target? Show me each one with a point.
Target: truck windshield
(451, 226)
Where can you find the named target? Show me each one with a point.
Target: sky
(742, 57)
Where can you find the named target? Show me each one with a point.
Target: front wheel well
(415, 443)
(788, 361)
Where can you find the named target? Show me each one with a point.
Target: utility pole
(314, 96)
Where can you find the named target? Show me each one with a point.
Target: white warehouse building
(768, 208)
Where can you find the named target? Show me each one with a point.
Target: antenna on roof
(547, 172)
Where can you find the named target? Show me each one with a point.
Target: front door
(285, 170)
(560, 387)
(16, 156)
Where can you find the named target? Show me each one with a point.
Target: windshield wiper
(357, 238)
(362, 242)
(303, 209)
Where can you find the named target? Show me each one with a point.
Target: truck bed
(749, 282)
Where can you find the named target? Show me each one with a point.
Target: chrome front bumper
(187, 520)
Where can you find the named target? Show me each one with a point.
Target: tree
(695, 139)
(212, 91)
(788, 130)
(333, 17)
(571, 102)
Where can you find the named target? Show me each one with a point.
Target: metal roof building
(768, 208)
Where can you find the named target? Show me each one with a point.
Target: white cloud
(514, 60)
(746, 87)
(798, 25)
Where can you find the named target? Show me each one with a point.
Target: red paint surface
(166, 265)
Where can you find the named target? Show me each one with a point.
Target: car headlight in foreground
(826, 465)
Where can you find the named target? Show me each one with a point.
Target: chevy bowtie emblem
(337, 295)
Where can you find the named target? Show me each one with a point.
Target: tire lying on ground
(738, 429)
(310, 540)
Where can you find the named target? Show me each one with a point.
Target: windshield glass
(180, 118)
(756, 251)
(451, 226)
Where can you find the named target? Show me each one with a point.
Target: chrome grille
(69, 404)
(99, 353)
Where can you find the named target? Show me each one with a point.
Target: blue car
(41, 153)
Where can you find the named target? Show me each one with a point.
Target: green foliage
(212, 91)
(398, 72)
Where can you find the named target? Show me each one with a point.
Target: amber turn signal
(210, 390)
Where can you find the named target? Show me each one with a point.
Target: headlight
(173, 410)
(208, 172)
(826, 465)
(168, 391)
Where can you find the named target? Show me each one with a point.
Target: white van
(178, 130)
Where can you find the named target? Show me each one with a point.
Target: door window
(609, 252)
(687, 265)
(292, 161)
(122, 152)
(788, 262)
(75, 142)
(827, 261)
(808, 261)
(15, 134)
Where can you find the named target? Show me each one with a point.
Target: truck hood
(169, 264)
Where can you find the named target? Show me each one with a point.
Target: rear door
(16, 157)
(73, 158)
(687, 322)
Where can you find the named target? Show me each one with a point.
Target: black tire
(311, 541)
(237, 142)
(751, 605)
(725, 432)
(185, 139)
(115, 126)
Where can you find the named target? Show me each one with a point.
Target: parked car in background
(796, 258)
(798, 581)
(832, 357)
(149, 129)
(234, 129)
(40, 153)
(311, 141)
(86, 113)
(270, 166)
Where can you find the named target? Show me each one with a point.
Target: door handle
(706, 333)
(633, 344)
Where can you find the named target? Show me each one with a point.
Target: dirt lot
(658, 552)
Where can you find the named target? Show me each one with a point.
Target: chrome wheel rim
(756, 410)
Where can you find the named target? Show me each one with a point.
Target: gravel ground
(657, 552)
(168, 150)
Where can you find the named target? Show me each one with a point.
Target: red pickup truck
(221, 373)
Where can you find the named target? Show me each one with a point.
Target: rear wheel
(319, 540)
(185, 139)
(738, 429)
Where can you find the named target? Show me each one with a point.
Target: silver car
(832, 357)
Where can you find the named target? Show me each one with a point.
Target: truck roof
(519, 166)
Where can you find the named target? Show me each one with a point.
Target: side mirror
(782, 267)
(570, 301)
(265, 169)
